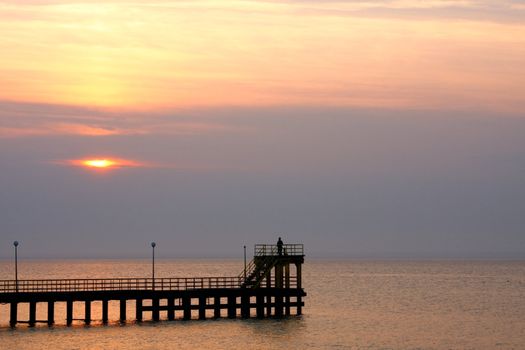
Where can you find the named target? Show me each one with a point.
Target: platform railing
(273, 249)
(118, 284)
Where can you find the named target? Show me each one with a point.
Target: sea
(350, 304)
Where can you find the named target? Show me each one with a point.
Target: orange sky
(157, 55)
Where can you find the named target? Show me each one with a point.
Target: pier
(269, 286)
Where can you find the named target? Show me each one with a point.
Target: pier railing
(118, 284)
(125, 284)
(273, 249)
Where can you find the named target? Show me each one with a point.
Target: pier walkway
(270, 286)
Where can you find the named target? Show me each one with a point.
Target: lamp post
(15, 243)
(244, 263)
(153, 244)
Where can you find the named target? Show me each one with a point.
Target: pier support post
(268, 305)
(299, 304)
(217, 307)
(260, 306)
(69, 312)
(104, 311)
(287, 308)
(232, 310)
(155, 314)
(245, 306)
(202, 308)
(50, 313)
(13, 314)
(138, 310)
(287, 286)
(279, 276)
(171, 309)
(287, 275)
(299, 277)
(122, 310)
(279, 304)
(32, 313)
(87, 311)
(186, 304)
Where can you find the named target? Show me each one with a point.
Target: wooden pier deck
(271, 286)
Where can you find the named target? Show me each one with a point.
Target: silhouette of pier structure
(270, 286)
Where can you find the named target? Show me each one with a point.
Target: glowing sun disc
(98, 163)
(103, 163)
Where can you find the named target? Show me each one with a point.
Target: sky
(363, 129)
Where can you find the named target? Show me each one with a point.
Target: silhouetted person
(280, 246)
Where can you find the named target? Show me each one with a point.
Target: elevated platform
(270, 266)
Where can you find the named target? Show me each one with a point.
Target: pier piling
(122, 310)
(231, 307)
(13, 314)
(216, 307)
(138, 309)
(69, 312)
(260, 306)
(155, 309)
(32, 313)
(171, 309)
(105, 311)
(87, 312)
(50, 313)
(202, 307)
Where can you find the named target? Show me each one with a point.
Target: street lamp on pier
(245, 264)
(15, 243)
(153, 244)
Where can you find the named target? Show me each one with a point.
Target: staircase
(256, 271)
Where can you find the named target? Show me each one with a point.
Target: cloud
(49, 129)
(32, 120)
(86, 130)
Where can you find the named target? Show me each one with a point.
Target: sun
(99, 163)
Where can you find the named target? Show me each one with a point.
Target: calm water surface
(350, 305)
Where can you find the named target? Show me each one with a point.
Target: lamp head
(153, 244)
(15, 243)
